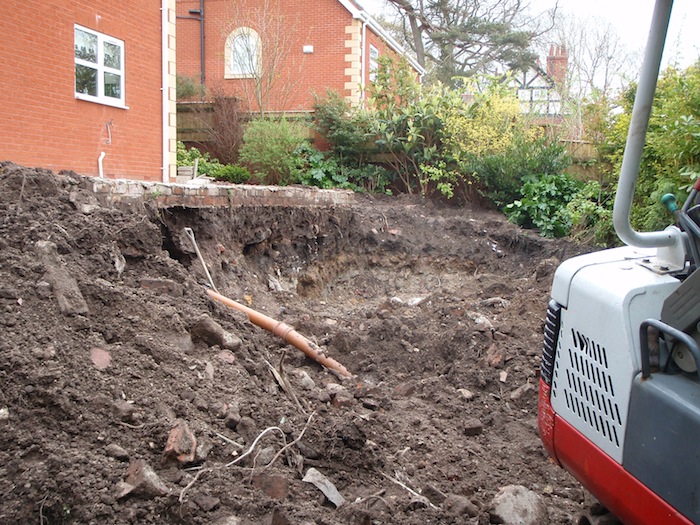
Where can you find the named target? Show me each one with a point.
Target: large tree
(468, 37)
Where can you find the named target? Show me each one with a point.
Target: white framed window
(242, 54)
(524, 94)
(373, 62)
(99, 67)
(539, 94)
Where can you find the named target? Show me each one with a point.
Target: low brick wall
(129, 192)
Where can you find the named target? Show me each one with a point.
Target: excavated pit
(110, 343)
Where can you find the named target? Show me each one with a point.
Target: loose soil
(126, 394)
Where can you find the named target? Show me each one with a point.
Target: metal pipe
(190, 235)
(636, 135)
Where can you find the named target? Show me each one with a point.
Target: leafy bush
(671, 157)
(499, 177)
(488, 125)
(345, 129)
(233, 174)
(591, 215)
(395, 85)
(187, 88)
(206, 165)
(269, 148)
(544, 204)
(315, 169)
(414, 139)
(371, 178)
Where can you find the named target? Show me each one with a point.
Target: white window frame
(373, 62)
(539, 94)
(102, 69)
(232, 69)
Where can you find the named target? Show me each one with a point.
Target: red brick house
(279, 53)
(89, 85)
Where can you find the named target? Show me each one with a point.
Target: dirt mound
(128, 396)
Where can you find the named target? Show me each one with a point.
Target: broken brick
(181, 445)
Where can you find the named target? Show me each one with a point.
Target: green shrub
(414, 140)
(544, 204)
(371, 178)
(233, 174)
(187, 88)
(499, 177)
(671, 154)
(590, 211)
(314, 168)
(206, 165)
(345, 129)
(269, 148)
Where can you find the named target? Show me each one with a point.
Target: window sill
(103, 101)
(229, 76)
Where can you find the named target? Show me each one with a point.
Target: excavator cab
(619, 393)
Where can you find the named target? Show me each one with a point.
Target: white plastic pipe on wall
(100, 171)
(165, 92)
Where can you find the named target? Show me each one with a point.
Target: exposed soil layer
(126, 394)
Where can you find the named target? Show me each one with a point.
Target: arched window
(242, 54)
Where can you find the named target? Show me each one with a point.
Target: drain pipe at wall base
(100, 171)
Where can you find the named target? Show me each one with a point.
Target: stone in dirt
(125, 411)
(466, 394)
(162, 286)
(340, 397)
(228, 520)
(141, 480)
(460, 506)
(117, 452)
(518, 505)
(473, 427)
(100, 358)
(325, 485)
(520, 392)
(212, 333)
(227, 357)
(495, 356)
(65, 287)
(206, 503)
(434, 494)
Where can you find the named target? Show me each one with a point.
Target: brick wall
(42, 124)
(134, 195)
(321, 24)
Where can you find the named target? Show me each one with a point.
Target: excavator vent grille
(588, 387)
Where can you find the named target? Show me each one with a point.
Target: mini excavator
(619, 393)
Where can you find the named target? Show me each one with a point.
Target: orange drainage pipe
(284, 331)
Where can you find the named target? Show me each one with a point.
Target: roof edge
(359, 12)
